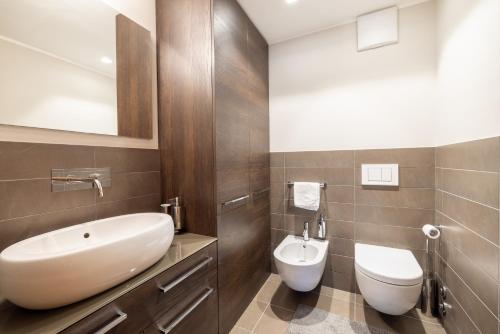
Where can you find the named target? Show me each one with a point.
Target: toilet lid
(388, 265)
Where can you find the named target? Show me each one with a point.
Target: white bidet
(301, 263)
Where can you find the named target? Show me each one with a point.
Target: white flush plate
(380, 175)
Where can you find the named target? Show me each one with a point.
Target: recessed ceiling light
(291, 1)
(106, 60)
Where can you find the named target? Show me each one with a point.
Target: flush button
(374, 174)
(386, 175)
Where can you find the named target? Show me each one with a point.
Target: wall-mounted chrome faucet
(81, 178)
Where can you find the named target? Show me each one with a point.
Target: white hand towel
(306, 195)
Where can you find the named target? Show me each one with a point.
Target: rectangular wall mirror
(74, 65)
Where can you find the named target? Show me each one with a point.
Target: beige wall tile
(323, 159)
(277, 159)
(339, 211)
(277, 190)
(339, 176)
(402, 197)
(341, 246)
(340, 229)
(277, 221)
(479, 218)
(482, 252)
(456, 320)
(406, 157)
(484, 286)
(304, 174)
(480, 315)
(481, 187)
(277, 175)
(481, 155)
(404, 217)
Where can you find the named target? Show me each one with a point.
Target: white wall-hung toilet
(301, 263)
(390, 279)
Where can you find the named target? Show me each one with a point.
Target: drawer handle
(121, 318)
(236, 200)
(187, 312)
(184, 276)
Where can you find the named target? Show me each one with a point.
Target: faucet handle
(165, 207)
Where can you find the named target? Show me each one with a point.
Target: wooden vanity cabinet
(188, 305)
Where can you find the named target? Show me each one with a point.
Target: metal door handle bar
(236, 200)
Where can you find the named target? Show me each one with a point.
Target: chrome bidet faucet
(305, 234)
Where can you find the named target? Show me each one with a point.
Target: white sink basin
(67, 265)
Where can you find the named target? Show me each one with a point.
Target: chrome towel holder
(321, 185)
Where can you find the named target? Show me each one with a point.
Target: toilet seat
(388, 265)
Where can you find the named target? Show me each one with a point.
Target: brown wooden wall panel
(242, 137)
(134, 79)
(186, 118)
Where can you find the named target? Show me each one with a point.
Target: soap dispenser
(176, 211)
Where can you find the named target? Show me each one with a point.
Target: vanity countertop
(16, 320)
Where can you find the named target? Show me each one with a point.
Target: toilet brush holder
(430, 296)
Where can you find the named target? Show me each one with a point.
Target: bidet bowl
(301, 264)
(67, 265)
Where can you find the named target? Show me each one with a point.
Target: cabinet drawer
(139, 308)
(196, 313)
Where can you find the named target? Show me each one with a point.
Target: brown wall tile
(31, 197)
(127, 159)
(29, 207)
(128, 185)
(19, 229)
(30, 161)
(147, 203)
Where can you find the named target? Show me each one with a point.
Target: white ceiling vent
(378, 29)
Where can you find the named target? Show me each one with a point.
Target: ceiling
(279, 21)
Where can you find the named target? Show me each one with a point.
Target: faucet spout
(97, 184)
(306, 231)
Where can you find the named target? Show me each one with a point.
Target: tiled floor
(274, 306)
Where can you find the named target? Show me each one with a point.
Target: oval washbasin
(67, 265)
